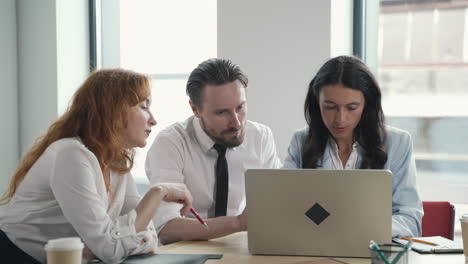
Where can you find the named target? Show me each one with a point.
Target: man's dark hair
(213, 72)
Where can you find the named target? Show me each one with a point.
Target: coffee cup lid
(464, 218)
(65, 243)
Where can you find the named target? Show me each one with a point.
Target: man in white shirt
(210, 152)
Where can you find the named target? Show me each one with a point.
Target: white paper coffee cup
(464, 226)
(464, 218)
(64, 250)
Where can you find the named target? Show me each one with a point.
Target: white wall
(110, 35)
(372, 34)
(280, 45)
(341, 20)
(45, 56)
(73, 63)
(8, 89)
(53, 55)
(37, 68)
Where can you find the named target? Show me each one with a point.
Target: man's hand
(242, 218)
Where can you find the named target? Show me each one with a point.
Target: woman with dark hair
(346, 130)
(76, 181)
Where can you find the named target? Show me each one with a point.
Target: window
(165, 39)
(422, 68)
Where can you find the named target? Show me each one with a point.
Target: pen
(377, 250)
(199, 218)
(406, 247)
(419, 241)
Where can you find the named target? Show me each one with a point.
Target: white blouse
(64, 195)
(334, 153)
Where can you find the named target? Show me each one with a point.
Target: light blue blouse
(407, 208)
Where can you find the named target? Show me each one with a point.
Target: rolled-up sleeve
(164, 163)
(406, 204)
(132, 198)
(74, 182)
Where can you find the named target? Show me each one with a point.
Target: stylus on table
(195, 213)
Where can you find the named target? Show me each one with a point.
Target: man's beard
(228, 143)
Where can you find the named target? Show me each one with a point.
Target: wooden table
(234, 248)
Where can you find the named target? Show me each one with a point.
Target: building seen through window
(423, 72)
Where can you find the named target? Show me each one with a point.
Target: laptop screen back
(318, 212)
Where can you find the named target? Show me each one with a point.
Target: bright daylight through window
(166, 41)
(422, 55)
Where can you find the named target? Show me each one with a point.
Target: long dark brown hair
(370, 131)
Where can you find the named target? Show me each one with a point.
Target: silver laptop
(318, 212)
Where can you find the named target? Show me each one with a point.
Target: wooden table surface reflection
(234, 250)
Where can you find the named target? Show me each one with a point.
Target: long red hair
(98, 116)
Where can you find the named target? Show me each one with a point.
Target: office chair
(438, 219)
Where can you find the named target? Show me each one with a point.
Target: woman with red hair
(76, 181)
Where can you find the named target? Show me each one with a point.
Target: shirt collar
(334, 147)
(334, 156)
(206, 143)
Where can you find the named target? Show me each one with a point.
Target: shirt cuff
(124, 230)
(165, 213)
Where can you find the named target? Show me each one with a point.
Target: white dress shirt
(334, 153)
(64, 195)
(184, 153)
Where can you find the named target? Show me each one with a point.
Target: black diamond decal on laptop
(317, 213)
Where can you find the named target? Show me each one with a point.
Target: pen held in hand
(419, 241)
(195, 213)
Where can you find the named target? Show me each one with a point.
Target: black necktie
(222, 181)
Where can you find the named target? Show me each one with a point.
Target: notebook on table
(444, 245)
(318, 212)
(168, 258)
